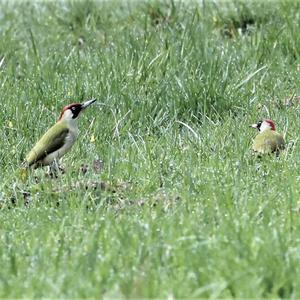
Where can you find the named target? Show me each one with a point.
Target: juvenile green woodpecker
(58, 139)
(268, 140)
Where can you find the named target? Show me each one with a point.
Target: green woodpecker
(268, 140)
(58, 139)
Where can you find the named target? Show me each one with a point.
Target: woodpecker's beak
(253, 126)
(87, 103)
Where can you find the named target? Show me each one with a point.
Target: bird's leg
(54, 169)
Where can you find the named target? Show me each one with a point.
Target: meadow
(162, 196)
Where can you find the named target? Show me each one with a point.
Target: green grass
(181, 207)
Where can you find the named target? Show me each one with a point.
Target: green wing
(54, 137)
(268, 142)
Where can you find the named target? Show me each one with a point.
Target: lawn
(162, 196)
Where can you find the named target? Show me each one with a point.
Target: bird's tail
(23, 172)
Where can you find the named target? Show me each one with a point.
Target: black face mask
(76, 109)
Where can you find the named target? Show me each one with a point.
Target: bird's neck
(71, 124)
(268, 132)
(266, 129)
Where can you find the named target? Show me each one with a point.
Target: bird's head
(263, 125)
(72, 111)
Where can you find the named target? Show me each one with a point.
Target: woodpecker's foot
(52, 174)
(55, 170)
